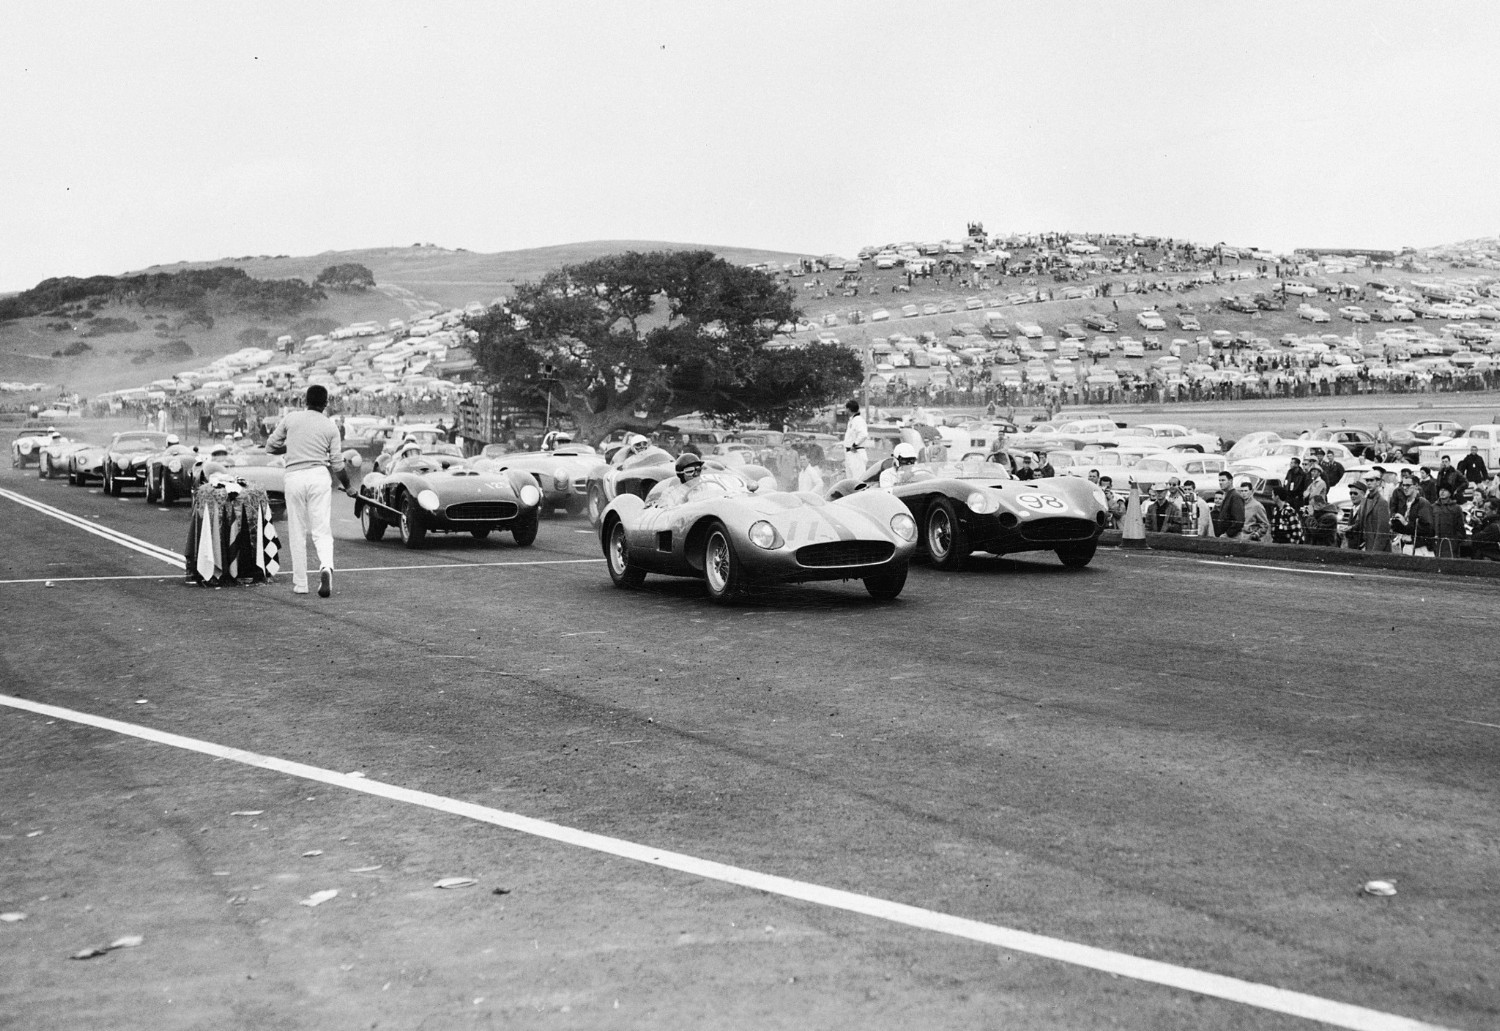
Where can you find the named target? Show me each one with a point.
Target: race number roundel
(1040, 501)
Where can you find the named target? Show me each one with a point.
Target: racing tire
(150, 486)
(166, 494)
(44, 468)
(73, 480)
(480, 534)
(596, 503)
(721, 566)
(413, 528)
(1076, 556)
(621, 572)
(524, 528)
(943, 536)
(886, 586)
(112, 486)
(370, 523)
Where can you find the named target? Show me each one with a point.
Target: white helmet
(904, 454)
(635, 444)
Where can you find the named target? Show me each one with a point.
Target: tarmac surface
(1145, 794)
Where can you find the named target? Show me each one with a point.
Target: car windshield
(650, 456)
(970, 470)
(155, 441)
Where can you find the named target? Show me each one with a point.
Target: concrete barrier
(1307, 554)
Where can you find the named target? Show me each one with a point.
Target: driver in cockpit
(691, 483)
(902, 468)
(635, 444)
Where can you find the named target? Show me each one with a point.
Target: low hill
(125, 345)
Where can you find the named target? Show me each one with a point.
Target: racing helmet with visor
(904, 454)
(689, 466)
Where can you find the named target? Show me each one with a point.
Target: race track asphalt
(1187, 761)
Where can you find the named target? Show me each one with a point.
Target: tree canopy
(632, 340)
(348, 276)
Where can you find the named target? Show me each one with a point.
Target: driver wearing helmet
(903, 465)
(690, 484)
(635, 444)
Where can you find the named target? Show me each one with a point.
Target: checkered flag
(270, 544)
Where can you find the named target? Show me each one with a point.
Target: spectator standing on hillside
(856, 440)
(1472, 468)
(310, 442)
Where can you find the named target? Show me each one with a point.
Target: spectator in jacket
(1197, 514)
(1414, 521)
(1487, 531)
(1257, 521)
(1162, 515)
(1229, 510)
(1294, 486)
(1370, 523)
(1114, 502)
(1472, 468)
(1322, 515)
(1447, 523)
(1427, 483)
(1451, 478)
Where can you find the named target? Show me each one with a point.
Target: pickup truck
(1485, 436)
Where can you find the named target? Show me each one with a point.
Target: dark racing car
(436, 490)
(126, 455)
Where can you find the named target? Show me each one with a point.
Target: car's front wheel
(597, 503)
(44, 468)
(617, 557)
(413, 524)
(371, 523)
(111, 484)
(524, 528)
(721, 567)
(886, 586)
(1076, 556)
(944, 537)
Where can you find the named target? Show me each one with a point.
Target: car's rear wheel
(413, 525)
(944, 536)
(721, 567)
(617, 557)
(1076, 556)
(886, 586)
(524, 528)
(371, 523)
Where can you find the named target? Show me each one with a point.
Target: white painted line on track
(471, 565)
(146, 548)
(90, 579)
(1306, 572)
(1233, 989)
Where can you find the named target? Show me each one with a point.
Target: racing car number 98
(1040, 501)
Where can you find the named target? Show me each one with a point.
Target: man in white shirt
(856, 440)
(310, 441)
(809, 477)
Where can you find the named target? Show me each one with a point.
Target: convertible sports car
(27, 444)
(252, 466)
(978, 506)
(125, 458)
(169, 473)
(85, 465)
(562, 473)
(437, 490)
(52, 456)
(731, 535)
(625, 473)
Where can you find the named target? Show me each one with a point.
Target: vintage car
(253, 466)
(731, 535)
(52, 456)
(627, 472)
(1168, 436)
(26, 446)
(169, 473)
(1165, 466)
(436, 490)
(125, 458)
(562, 472)
(963, 507)
(86, 465)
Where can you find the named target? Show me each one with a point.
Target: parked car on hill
(1189, 322)
(1150, 319)
(1100, 323)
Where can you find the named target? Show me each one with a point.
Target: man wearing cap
(1370, 522)
(856, 440)
(310, 441)
(1027, 470)
(1472, 468)
(1162, 514)
(1322, 516)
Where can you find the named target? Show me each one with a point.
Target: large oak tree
(630, 341)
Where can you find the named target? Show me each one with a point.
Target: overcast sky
(136, 133)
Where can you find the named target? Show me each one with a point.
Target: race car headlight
(174, 464)
(530, 496)
(764, 535)
(980, 502)
(560, 478)
(904, 526)
(25, 447)
(428, 500)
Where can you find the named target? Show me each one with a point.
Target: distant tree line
(197, 292)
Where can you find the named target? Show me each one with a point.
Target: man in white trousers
(856, 440)
(310, 441)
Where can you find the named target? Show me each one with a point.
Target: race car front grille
(483, 511)
(846, 553)
(1058, 529)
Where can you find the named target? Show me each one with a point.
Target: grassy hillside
(409, 280)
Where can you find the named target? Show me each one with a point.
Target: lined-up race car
(27, 443)
(436, 490)
(169, 473)
(963, 507)
(732, 537)
(637, 466)
(125, 458)
(562, 473)
(253, 466)
(53, 456)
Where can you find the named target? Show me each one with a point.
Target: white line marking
(1250, 993)
(356, 569)
(146, 548)
(1308, 572)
